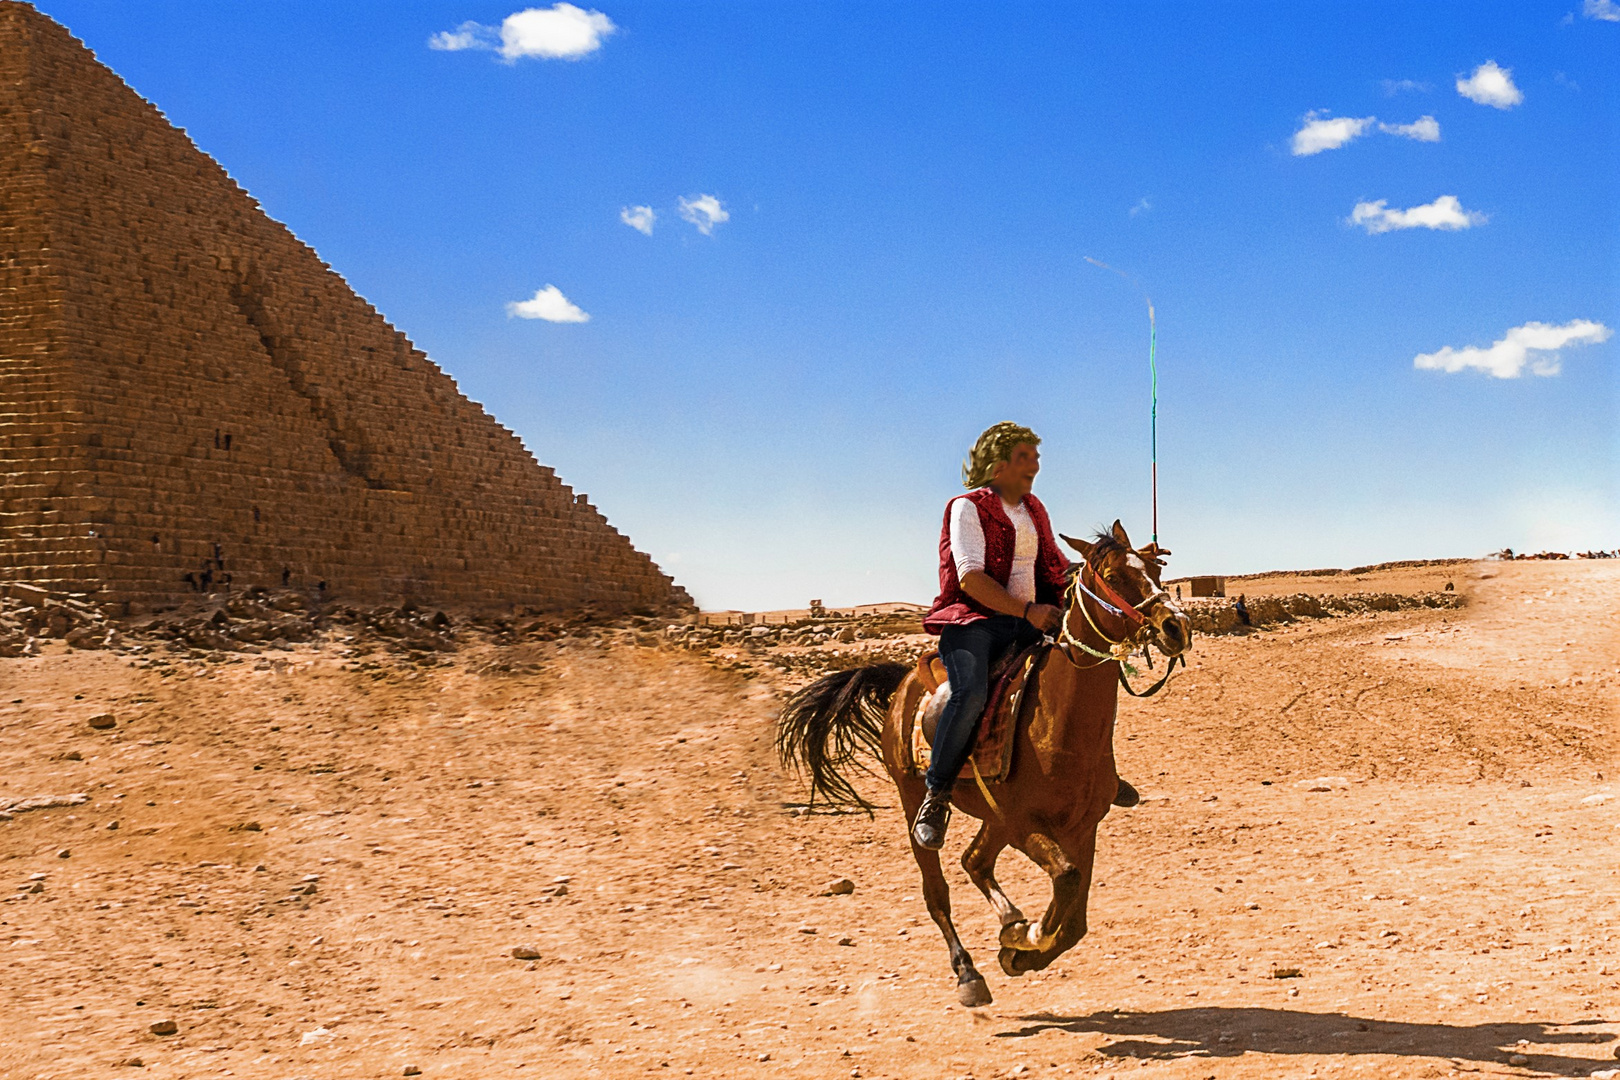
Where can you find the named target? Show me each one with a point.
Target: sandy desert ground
(322, 865)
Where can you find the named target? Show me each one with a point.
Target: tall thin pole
(1153, 370)
(1153, 426)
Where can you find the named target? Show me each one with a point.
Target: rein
(1118, 648)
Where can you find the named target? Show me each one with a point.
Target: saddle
(991, 757)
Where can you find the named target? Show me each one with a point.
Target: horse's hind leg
(979, 860)
(970, 986)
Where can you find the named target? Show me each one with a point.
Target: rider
(1001, 582)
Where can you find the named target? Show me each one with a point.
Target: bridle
(1140, 630)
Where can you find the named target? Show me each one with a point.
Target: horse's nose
(1176, 630)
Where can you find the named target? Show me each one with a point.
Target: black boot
(1126, 796)
(928, 831)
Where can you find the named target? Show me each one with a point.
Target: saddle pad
(993, 735)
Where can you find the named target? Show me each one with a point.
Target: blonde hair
(994, 447)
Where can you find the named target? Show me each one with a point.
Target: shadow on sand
(1221, 1033)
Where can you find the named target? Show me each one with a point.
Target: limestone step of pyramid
(188, 392)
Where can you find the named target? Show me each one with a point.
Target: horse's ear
(1079, 545)
(1119, 534)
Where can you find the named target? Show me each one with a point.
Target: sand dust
(319, 871)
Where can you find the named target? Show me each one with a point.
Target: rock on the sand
(44, 802)
(1324, 783)
(525, 952)
(838, 887)
(164, 1027)
(103, 720)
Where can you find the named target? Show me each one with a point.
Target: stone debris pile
(246, 623)
(28, 614)
(1221, 616)
(260, 620)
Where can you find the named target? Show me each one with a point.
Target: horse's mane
(1104, 545)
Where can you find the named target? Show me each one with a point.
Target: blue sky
(776, 406)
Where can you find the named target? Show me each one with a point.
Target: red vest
(953, 606)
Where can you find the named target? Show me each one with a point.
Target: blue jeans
(968, 651)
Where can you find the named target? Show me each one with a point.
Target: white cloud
(705, 212)
(1397, 86)
(1445, 213)
(560, 32)
(1328, 133)
(1490, 85)
(1607, 10)
(1143, 205)
(469, 35)
(549, 304)
(639, 218)
(1535, 344)
(1423, 129)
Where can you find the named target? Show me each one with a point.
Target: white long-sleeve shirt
(967, 546)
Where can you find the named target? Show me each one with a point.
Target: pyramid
(186, 389)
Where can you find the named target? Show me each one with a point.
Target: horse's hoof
(1015, 935)
(1016, 962)
(1021, 936)
(973, 992)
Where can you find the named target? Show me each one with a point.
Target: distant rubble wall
(276, 623)
(1333, 571)
(1221, 616)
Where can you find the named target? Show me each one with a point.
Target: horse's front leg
(979, 860)
(1071, 879)
(1068, 934)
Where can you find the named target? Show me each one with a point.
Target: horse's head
(1132, 577)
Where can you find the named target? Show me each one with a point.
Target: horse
(1062, 780)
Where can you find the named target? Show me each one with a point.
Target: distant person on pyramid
(1001, 582)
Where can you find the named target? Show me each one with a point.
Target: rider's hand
(1044, 617)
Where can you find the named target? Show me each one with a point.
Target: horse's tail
(826, 726)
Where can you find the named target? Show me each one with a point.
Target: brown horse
(1062, 779)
